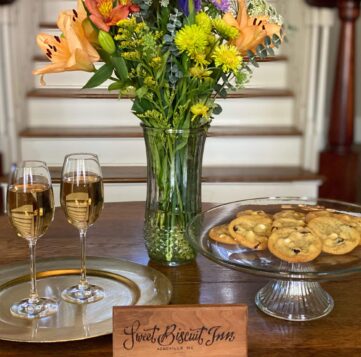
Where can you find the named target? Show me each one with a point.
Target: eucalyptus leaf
(276, 40)
(270, 51)
(261, 51)
(268, 41)
(217, 109)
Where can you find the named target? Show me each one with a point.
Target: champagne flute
(30, 206)
(82, 199)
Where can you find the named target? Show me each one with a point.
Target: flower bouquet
(173, 58)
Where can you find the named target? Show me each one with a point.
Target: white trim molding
(18, 25)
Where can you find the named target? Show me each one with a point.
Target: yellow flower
(226, 31)
(155, 62)
(191, 39)
(204, 21)
(200, 58)
(149, 81)
(199, 72)
(199, 110)
(252, 30)
(227, 57)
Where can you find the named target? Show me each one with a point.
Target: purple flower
(222, 5)
(198, 5)
(184, 5)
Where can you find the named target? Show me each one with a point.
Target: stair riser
(221, 151)
(269, 75)
(213, 192)
(111, 112)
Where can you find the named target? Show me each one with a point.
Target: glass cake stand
(294, 293)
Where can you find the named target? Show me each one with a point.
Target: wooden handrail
(6, 2)
(2, 203)
(340, 163)
(341, 130)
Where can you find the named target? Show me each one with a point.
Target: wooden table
(118, 233)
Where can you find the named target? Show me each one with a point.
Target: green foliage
(100, 76)
(178, 65)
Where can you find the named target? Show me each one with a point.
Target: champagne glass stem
(34, 297)
(83, 281)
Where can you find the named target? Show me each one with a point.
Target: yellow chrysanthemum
(199, 110)
(200, 59)
(199, 72)
(191, 39)
(224, 30)
(227, 57)
(204, 21)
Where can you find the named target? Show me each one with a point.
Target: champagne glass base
(78, 294)
(27, 309)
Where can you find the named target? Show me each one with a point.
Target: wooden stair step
(137, 132)
(105, 94)
(217, 174)
(278, 58)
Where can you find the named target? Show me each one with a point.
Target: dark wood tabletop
(118, 234)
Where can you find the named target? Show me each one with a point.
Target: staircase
(254, 148)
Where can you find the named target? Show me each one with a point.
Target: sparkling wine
(30, 209)
(82, 199)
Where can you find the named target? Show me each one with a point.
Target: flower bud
(106, 42)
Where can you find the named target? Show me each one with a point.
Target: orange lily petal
(99, 23)
(92, 7)
(79, 61)
(252, 31)
(242, 13)
(118, 13)
(81, 11)
(54, 47)
(230, 20)
(51, 68)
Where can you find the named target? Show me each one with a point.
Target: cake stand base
(294, 300)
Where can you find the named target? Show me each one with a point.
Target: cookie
(220, 234)
(250, 212)
(337, 237)
(295, 245)
(288, 223)
(310, 208)
(251, 231)
(353, 221)
(318, 213)
(289, 213)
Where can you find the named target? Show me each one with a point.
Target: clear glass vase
(174, 159)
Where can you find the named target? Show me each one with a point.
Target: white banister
(9, 132)
(309, 91)
(319, 24)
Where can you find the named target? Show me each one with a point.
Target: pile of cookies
(290, 235)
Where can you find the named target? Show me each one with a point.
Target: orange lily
(71, 52)
(104, 15)
(252, 30)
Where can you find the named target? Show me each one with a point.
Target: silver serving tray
(125, 283)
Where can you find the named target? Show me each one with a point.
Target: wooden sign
(185, 330)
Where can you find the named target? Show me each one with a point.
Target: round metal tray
(125, 283)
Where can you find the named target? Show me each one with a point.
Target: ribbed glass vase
(174, 159)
